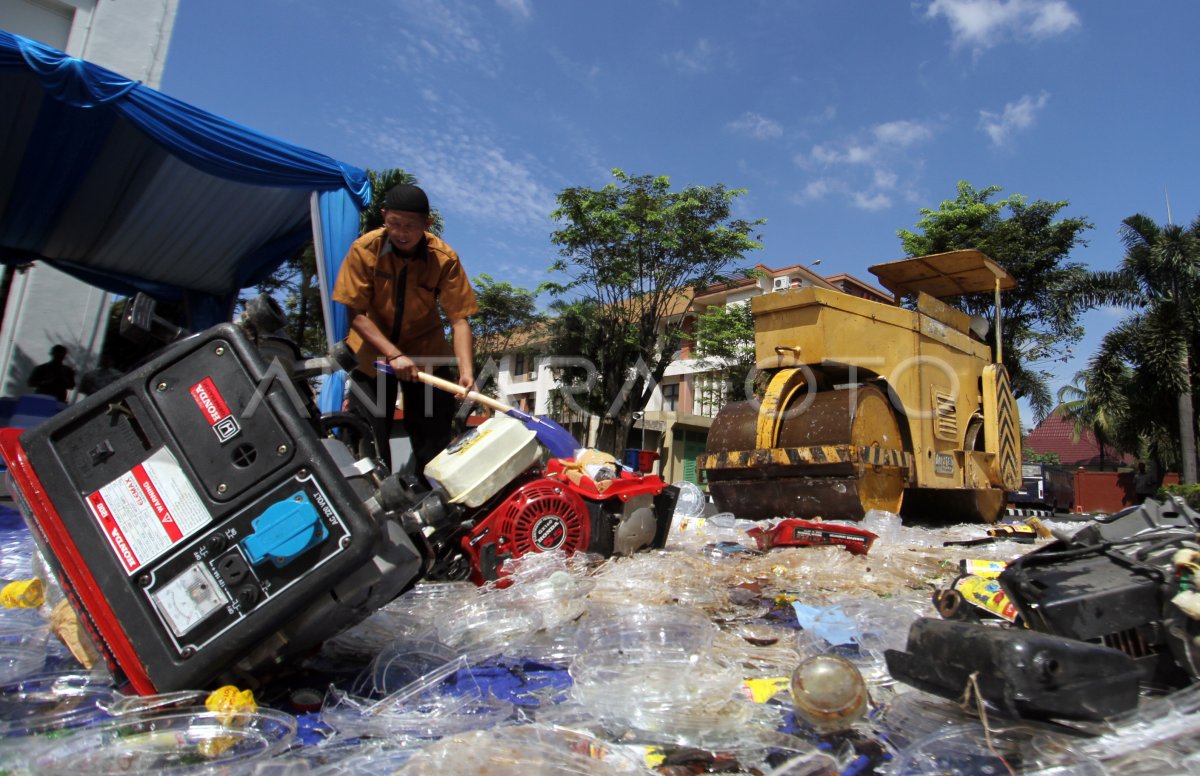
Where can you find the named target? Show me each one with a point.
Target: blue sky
(840, 119)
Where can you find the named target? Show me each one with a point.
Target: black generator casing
(1111, 583)
(1023, 673)
(198, 523)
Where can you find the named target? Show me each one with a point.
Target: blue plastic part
(284, 531)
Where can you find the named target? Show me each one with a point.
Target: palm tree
(1159, 278)
(1084, 410)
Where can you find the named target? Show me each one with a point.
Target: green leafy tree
(1049, 459)
(724, 337)
(1039, 318)
(508, 317)
(632, 252)
(1159, 281)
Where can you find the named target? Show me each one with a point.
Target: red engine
(561, 508)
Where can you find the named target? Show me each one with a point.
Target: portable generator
(498, 501)
(205, 529)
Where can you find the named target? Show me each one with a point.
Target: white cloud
(446, 32)
(982, 24)
(757, 127)
(847, 153)
(883, 139)
(520, 8)
(699, 59)
(467, 171)
(902, 133)
(814, 190)
(885, 180)
(865, 200)
(1015, 116)
(870, 166)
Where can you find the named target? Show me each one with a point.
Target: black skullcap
(408, 198)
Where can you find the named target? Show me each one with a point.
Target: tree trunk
(1187, 438)
(1187, 425)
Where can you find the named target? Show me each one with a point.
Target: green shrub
(1189, 493)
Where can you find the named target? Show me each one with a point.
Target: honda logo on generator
(215, 410)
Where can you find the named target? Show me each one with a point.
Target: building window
(518, 369)
(670, 397)
(710, 393)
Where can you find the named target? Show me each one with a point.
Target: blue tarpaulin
(132, 190)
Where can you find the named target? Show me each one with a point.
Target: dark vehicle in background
(1045, 486)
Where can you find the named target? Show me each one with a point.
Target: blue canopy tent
(131, 190)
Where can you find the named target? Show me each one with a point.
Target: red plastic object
(794, 532)
(626, 484)
(646, 459)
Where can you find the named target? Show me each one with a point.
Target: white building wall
(46, 307)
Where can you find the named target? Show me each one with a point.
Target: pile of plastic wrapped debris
(732, 650)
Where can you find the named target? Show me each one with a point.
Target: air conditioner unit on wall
(781, 283)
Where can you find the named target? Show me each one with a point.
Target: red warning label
(148, 510)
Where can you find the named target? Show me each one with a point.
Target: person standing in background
(54, 377)
(394, 280)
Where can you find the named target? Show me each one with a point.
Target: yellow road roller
(871, 405)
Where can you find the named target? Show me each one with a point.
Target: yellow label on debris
(1015, 531)
(989, 569)
(763, 690)
(987, 594)
(23, 594)
(232, 700)
(229, 702)
(655, 756)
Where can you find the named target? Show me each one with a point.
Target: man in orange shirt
(393, 280)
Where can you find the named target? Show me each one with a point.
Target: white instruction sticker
(148, 510)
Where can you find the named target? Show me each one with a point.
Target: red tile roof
(1056, 434)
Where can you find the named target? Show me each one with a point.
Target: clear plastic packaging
(51, 702)
(399, 665)
(966, 749)
(1152, 733)
(755, 660)
(722, 527)
(912, 715)
(446, 700)
(658, 578)
(523, 750)
(691, 502)
(673, 630)
(24, 640)
(551, 588)
(16, 554)
(192, 740)
(485, 628)
(664, 696)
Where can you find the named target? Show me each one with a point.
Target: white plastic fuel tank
(485, 459)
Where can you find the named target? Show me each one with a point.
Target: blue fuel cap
(284, 531)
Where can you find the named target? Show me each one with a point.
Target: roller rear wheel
(834, 456)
